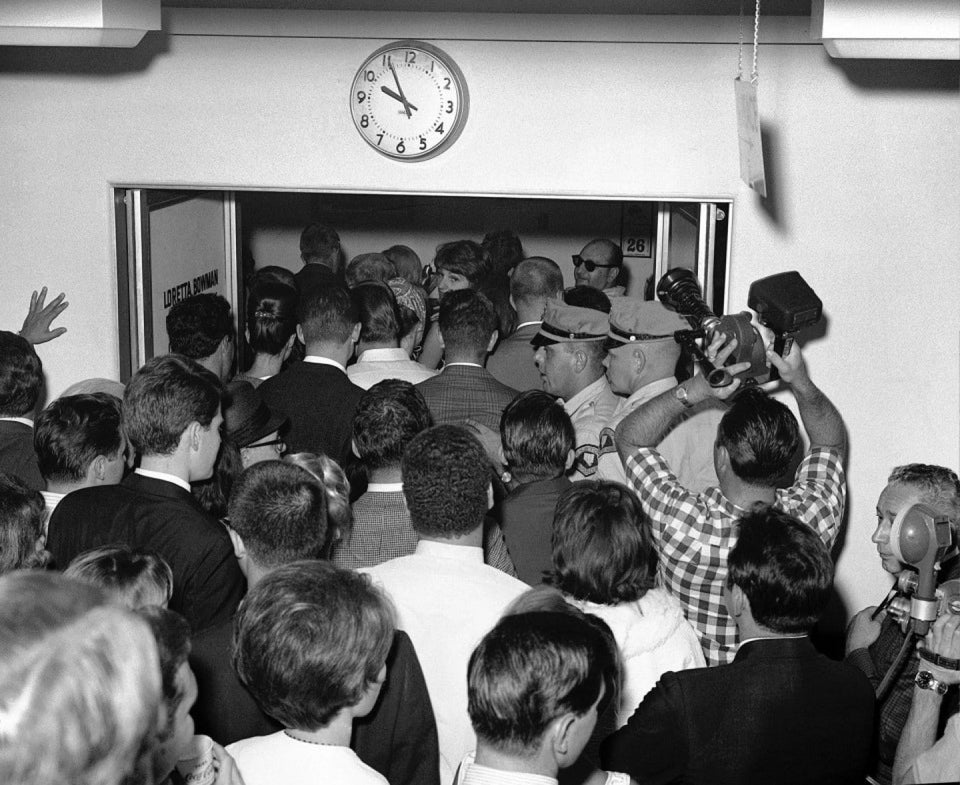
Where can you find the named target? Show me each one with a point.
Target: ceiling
(685, 7)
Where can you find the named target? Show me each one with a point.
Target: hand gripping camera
(919, 537)
(783, 302)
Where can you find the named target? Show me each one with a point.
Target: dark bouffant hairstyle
(760, 435)
(271, 317)
(446, 474)
(388, 416)
(74, 430)
(467, 321)
(504, 249)
(309, 640)
(603, 548)
(280, 511)
(537, 436)
(465, 258)
(783, 568)
(327, 313)
(197, 325)
(166, 395)
(21, 375)
(531, 669)
(379, 313)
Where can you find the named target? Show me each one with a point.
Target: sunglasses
(281, 447)
(579, 261)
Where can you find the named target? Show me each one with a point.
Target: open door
(170, 245)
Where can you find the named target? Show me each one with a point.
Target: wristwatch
(926, 681)
(680, 393)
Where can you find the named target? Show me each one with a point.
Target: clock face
(409, 100)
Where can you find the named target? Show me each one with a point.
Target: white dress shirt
(375, 365)
(447, 599)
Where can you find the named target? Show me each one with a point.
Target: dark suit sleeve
(652, 746)
(212, 593)
(399, 737)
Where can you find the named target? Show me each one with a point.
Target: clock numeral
(361, 97)
(364, 121)
(432, 63)
(411, 57)
(379, 139)
(449, 107)
(439, 128)
(369, 76)
(386, 61)
(446, 83)
(423, 143)
(401, 147)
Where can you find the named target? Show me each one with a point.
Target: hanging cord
(896, 667)
(755, 77)
(740, 45)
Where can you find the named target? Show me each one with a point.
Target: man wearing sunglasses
(599, 265)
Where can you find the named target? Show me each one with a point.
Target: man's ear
(98, 469)
(490, 496)
(571, 457)
(558, 736)
(738, 602)
(579, 360)
(239, 549)
(439, 336)
(640, 360)
(721, 458)
(355, 335)
(194, 434)
(353, 448)
(493, 341)
(300, 334)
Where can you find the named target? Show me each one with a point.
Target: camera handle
(716, 377)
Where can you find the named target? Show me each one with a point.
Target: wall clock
(409, 100)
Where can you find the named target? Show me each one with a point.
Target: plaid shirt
(695, 533)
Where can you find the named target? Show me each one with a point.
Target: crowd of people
(449, 525)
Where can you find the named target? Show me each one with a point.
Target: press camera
(784, 303)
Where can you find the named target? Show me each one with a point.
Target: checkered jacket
(695, 533)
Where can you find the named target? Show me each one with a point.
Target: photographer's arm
(920, 732)
(649, 423)
(822, 421)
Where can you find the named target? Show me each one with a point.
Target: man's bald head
(606, 258)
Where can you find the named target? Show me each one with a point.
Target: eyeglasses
(591, 265)
(278, 443)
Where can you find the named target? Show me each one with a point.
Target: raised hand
(36, 326)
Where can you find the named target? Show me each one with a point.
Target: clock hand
(396, 97)
(406, 104)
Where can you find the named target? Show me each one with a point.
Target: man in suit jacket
(278, 516)
(315, 393)
(320, 254)
(21, 381)
(535, 282)
(172, 417)
(465, 390)
(780, 712)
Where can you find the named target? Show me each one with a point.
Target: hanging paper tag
(748, 132)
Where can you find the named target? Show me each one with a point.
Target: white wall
(864, 180)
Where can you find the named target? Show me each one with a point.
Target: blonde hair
(79, 686)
